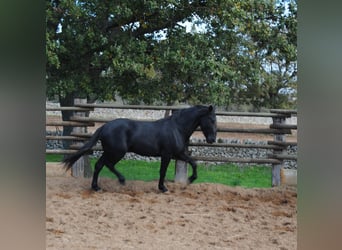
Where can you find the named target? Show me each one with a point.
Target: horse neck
(188, 122)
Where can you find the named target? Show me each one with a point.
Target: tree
(270, 54)
(264, 56)
(245, 51)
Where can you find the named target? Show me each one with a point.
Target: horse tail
(86, 148)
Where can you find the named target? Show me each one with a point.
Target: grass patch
(228, 174)
(233, 175)
(53, 157)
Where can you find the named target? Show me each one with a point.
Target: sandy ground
(137, 216)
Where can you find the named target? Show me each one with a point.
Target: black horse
(167, 138)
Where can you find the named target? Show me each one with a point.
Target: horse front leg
(194, 170)
(192, 162)
(164, 163)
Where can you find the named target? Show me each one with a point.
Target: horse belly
(145, 148)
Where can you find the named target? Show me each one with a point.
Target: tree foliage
(241, 52)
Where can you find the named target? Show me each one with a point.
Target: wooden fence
(278, 129)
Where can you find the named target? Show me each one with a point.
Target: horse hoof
(96, 189)
(122, 182)
(163, 189)
(191, 179)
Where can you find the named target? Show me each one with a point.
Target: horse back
(141, 137)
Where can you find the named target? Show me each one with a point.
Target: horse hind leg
(98, 167)
(111, 166)
(121, 178)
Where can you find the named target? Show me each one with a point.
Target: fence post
(81, 168)
(181, 172)
(276, 168)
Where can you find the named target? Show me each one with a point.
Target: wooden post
(181, 172)
(276, 168)
(81, 167)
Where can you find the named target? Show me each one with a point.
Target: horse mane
(179, 113)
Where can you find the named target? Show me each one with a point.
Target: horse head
(207, 123)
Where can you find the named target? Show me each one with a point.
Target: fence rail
(278, 128)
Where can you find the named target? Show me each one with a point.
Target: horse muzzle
(210, 140)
